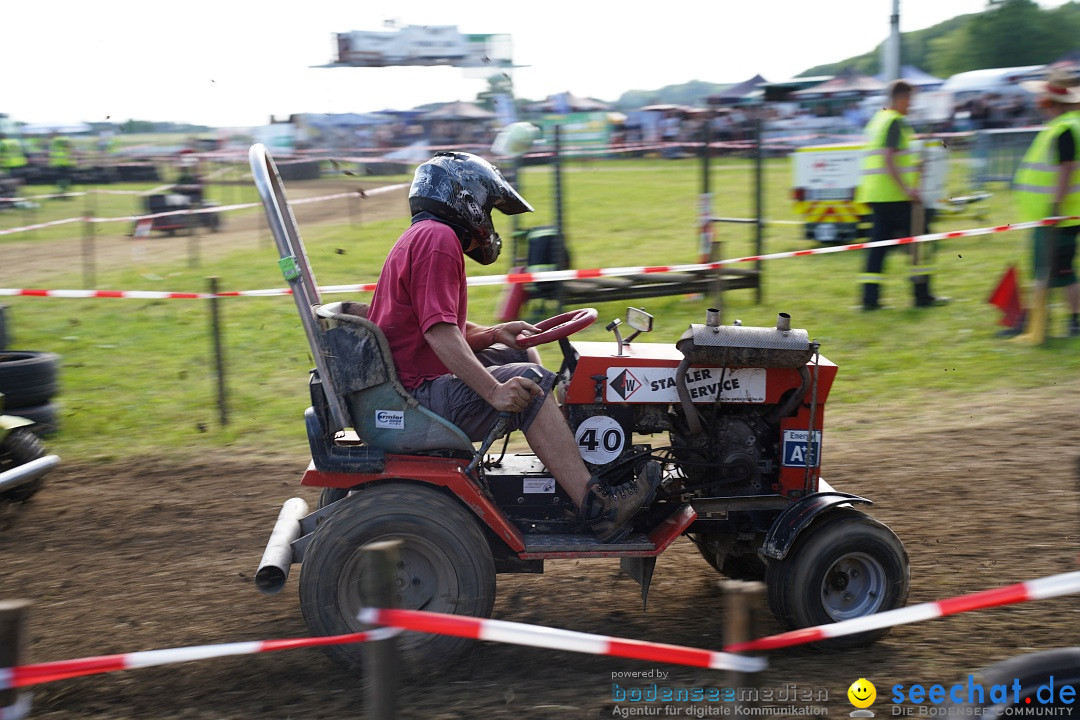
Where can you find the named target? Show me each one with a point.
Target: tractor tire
(736, 567)
(445, 566)
(27, 378)
(18, 448)
(331, 495)
(845, 565)
(1060, 666)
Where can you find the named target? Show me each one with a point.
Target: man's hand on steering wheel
(515, 394)
(507, 333)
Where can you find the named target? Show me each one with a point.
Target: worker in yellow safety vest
(62, 162)
(889, 184)
(1047, 184)
(12, 157)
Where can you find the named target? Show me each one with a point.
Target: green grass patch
(138, 377)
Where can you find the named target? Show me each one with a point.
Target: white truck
(824, 182)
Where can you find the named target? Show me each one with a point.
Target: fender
(10, 422)
(798, 516)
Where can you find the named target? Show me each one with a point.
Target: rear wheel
(18, 448)
(445, 565)
(845, 565)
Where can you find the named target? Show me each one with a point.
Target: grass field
(137, 375)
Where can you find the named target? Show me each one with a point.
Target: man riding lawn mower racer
(741, 406)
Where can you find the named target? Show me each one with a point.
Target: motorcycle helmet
(462, 188)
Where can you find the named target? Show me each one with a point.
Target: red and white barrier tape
(1047, 587)
(26, 675)
(548, 276)
(554, 639)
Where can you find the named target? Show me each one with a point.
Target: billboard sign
(422, 45)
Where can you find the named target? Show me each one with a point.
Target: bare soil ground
(159, 553)
(144, 555)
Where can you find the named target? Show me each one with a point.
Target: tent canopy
(848, 84)
(459, 111)
(735, 93)
(568, 102)
(919, 78)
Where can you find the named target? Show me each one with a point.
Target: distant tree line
(1006, 34)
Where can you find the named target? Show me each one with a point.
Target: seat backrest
(384, 414)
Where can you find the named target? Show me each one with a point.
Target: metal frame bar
(305, 291)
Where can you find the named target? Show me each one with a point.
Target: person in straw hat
(1047, 184)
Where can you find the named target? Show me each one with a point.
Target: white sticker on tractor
(657, 384)
(796, 453)
(600, 439)
(390, 419)
(538, 485)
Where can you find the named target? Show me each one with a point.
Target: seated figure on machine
(468, 373)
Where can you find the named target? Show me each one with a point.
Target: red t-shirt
(422, 283)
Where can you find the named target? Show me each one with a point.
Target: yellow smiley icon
(862, 693)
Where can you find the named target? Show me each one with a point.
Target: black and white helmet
(462, 189)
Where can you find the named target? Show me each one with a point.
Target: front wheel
(444, 565)
(18, 448)
(845, 565)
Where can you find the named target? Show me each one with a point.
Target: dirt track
(139, 556)
(145, 555)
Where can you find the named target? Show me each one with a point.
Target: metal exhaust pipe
(783, 322)
(27, 472)
(712, 317)
(277, 560)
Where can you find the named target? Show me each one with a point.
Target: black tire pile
(29, 381)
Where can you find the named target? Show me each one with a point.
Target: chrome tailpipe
(277, 559)
(28, 472)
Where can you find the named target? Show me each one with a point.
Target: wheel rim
(425, 580)
(853, 587)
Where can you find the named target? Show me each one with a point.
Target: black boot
(608, 510)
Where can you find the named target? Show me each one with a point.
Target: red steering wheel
(558, 327)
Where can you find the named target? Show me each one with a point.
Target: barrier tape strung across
(359, 192)
(1048, 587)
(548, 276)
(26, 675)
(555, 639)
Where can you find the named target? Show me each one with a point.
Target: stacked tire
(29, 381)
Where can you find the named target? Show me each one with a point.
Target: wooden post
(759, 200)
(89, 261)
(742, 599)
(219, 352)
(12, 643)
(378, 589)
(193, 241)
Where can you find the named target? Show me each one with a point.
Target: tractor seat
(383, 413)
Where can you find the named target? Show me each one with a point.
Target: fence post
(742, 598)
(89, 261)
(378, 589)
(219, 352)
(13, 705)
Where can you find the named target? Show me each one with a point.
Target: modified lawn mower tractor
(743, 409)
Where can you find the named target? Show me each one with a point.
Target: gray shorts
(449, 397)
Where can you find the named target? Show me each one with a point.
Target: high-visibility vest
(60, 152)
(1036, 178)
(876, 184)
(11, 154)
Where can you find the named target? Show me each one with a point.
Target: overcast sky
(236, 62)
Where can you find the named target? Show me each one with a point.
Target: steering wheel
(558, 327)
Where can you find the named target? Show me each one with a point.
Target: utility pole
(891, 50)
